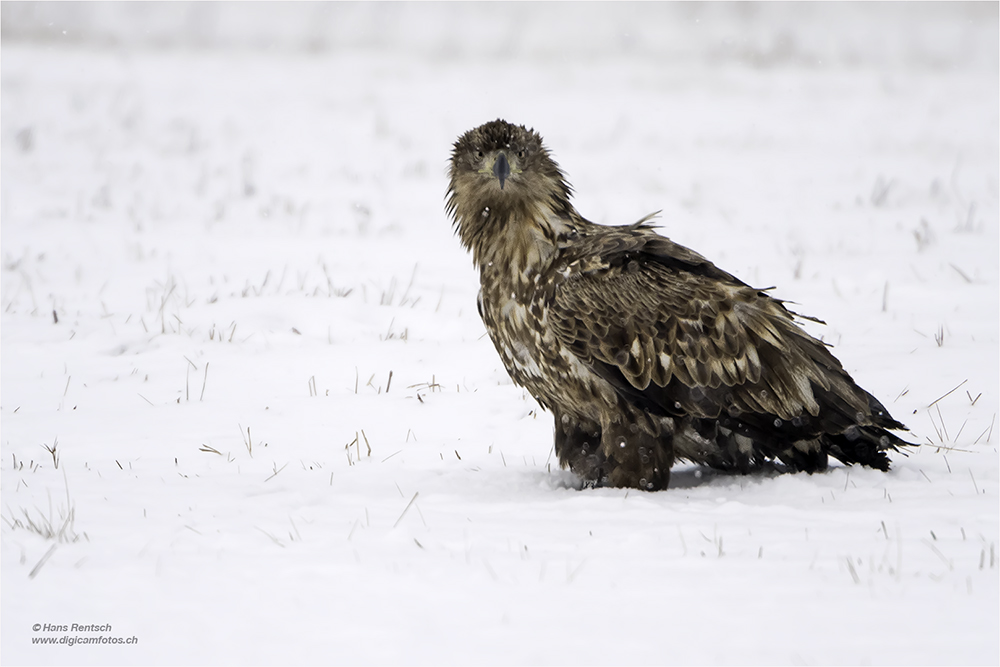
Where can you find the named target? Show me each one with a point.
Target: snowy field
(250, 414)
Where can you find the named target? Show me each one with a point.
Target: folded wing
(679, 337)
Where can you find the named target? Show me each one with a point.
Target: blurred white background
(924, 34)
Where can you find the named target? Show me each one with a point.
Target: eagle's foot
(638, 462)
(620, 454)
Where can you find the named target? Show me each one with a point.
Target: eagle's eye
(479, 154)
(521, 154)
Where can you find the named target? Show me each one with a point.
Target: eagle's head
(499, 172)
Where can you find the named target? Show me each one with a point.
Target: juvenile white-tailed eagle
(644, 351)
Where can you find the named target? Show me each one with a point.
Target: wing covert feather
(643, 324)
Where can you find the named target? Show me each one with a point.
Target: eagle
(644, 351)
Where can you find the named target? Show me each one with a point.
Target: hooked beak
(501, 169)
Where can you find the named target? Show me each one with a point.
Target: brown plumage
(643, 350)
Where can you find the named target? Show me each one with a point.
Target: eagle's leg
(639, 451)
(578, 446)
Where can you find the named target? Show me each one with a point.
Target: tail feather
(751, 441)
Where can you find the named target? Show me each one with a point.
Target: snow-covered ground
(250, 414)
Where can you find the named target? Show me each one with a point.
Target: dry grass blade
(961, 273)
(944, 428)
(989, 429)
(42, 561)
(947, 393)
(52, 450)
(974, 485)
(850, 568)
(204, 383)
(273, 538)
(275, 472)
(405, 509)
(247, 441)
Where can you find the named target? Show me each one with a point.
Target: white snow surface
(250, 414)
